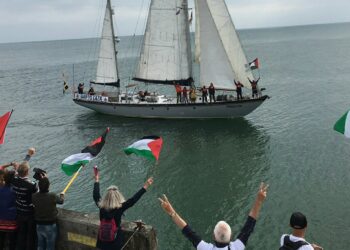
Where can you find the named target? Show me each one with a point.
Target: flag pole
(72, 179)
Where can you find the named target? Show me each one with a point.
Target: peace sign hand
(166, 205)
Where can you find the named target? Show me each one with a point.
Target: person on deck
(222, 231)
(296, 240)
(239, 86)
(254, 84)
(46, 214)
(178, 92)
(81, 88)
(185, 95)
(211, 92)
(204, 94)
(112, 206)
(193, 95)
(91, 91)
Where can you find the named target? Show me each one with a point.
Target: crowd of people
(182, 93)
(28, 215)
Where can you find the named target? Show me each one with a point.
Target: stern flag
(71, 164)
(254, 64)
(148, 146)
(3, 123)
(343, 125)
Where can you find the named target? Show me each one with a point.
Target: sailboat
(166, 58)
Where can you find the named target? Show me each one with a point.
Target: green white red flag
(343, 125)
(148, 146)
(3, 123)
(71, 164)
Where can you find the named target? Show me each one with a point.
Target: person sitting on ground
(211, 92)
(296, 240)
(204, 94)
(8, 223)
(45, 211)
(239, 86)
(254, 84)
(112, 206)
(178, 92)
(24, 188)
(193, 95)
(222, 231)
(91, 91)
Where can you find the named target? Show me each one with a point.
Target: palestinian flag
(254, 64)
(148, 146)
(343, 125)
(71, 164)
(3, 123)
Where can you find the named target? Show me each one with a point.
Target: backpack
(290, 245)
(107, 230)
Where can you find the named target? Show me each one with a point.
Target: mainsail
(166, 52)
(107, 72)
(222, 58)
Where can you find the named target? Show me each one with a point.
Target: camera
(38, 173)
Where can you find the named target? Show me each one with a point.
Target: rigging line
(94, 31)
(141, 40)
(133, 39)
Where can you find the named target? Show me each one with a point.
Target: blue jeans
(46, 236)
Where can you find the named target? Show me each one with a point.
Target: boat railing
(87, 97)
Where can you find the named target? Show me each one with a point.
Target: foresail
(166, 52)
(222, 56)
(107, 72)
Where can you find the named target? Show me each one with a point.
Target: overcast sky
(37, 20)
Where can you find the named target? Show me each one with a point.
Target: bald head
(222, 232)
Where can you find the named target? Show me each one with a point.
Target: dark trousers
(204, 98)
(239, 94)
(212, 97)
(178, 95)
(11, 240)
(26, 234)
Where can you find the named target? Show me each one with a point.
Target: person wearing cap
(222, 230)
(296, 240)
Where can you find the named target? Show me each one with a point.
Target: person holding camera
(45, 214)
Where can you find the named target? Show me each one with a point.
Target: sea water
(209, 169)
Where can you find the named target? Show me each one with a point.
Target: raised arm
(249, 225)
(250, 80)
(181, 223)
(130, 202)
(258, 80)
(96, 193)
(261, 196)
(31, 152)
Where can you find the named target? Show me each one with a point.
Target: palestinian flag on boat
(148, 146)
(3, 123)
(343, 125)
(71, 164)
(254, 64)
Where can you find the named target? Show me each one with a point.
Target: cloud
(25, 20)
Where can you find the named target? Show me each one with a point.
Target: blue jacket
(7, 204)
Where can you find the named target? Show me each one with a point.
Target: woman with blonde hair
(112, 206)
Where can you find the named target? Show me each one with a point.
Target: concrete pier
(78, 231)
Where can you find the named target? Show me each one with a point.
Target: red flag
(3, 123)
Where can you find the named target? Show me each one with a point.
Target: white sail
(197, 34)
(221, 54)
(166, 51)
(107, 72)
